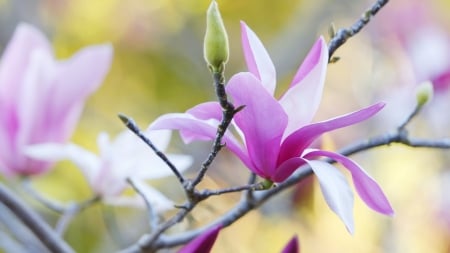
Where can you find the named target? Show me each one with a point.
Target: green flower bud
(215, 48)
(424, 93)
(266, 184)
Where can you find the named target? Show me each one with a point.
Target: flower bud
(215, 48)
(424, 93)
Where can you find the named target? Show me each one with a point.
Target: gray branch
(34, 222)
(344, 34)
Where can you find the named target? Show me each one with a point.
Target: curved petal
(287, 168)
(196, 129)
(262, 121)
(129, 155)
(15, 59)
(82, 74)
(203, 243)
(205, 111)
(317, 58)
(369, 191)
(257, 59)
(335, 190)
(292, 246)
(14, 65)
(210, 112)
(299, 140)
(302, 99)
(75, 80)
(54, 93)
(86, 161)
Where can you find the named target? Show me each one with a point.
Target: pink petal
(287, 168)
(76, 79)
(205, 111)
(302, 99)
(54, 93)
(203, 243)
(369, 191)
(13, 68)
(197, 129)
(335, 190)
(262, 121)
(209, 112)
(292, 246)
(15, 59)
(257, 59)
(441, 82)
(317, 57)
(299, 140)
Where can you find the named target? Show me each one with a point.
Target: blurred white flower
(125, 157)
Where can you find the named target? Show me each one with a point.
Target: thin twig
(50, 204)
(344, 34)
(71, 210)
(130, 124)
(228, 112)
(250, 187)
(68, 211)
(148, 242)
(34, 222)
(410, 117)
(152, 215)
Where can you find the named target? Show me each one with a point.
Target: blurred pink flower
(419, 47)
(203, 243)
(125, 157)
(292, 246)
(276, 134)
(41, 98)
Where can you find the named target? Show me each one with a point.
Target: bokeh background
(159, 68)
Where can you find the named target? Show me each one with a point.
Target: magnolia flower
(41, 98)
(125, 157)
(276, 134)
(203, 243)
(292, 246)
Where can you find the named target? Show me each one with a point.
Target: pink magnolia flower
(126, 157)
(292, 246)
(41, 98)
(203, 243)
(276, 134)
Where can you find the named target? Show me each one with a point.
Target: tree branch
(130, 124)
(228, 112)
(152, 215)
(35, 223)
(345, 33)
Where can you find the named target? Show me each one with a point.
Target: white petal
(88, 162)
(336, 191)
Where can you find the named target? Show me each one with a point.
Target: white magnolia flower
(125, 157)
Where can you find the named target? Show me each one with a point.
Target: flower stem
(228, 112)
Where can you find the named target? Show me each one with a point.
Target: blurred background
(159, 68)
